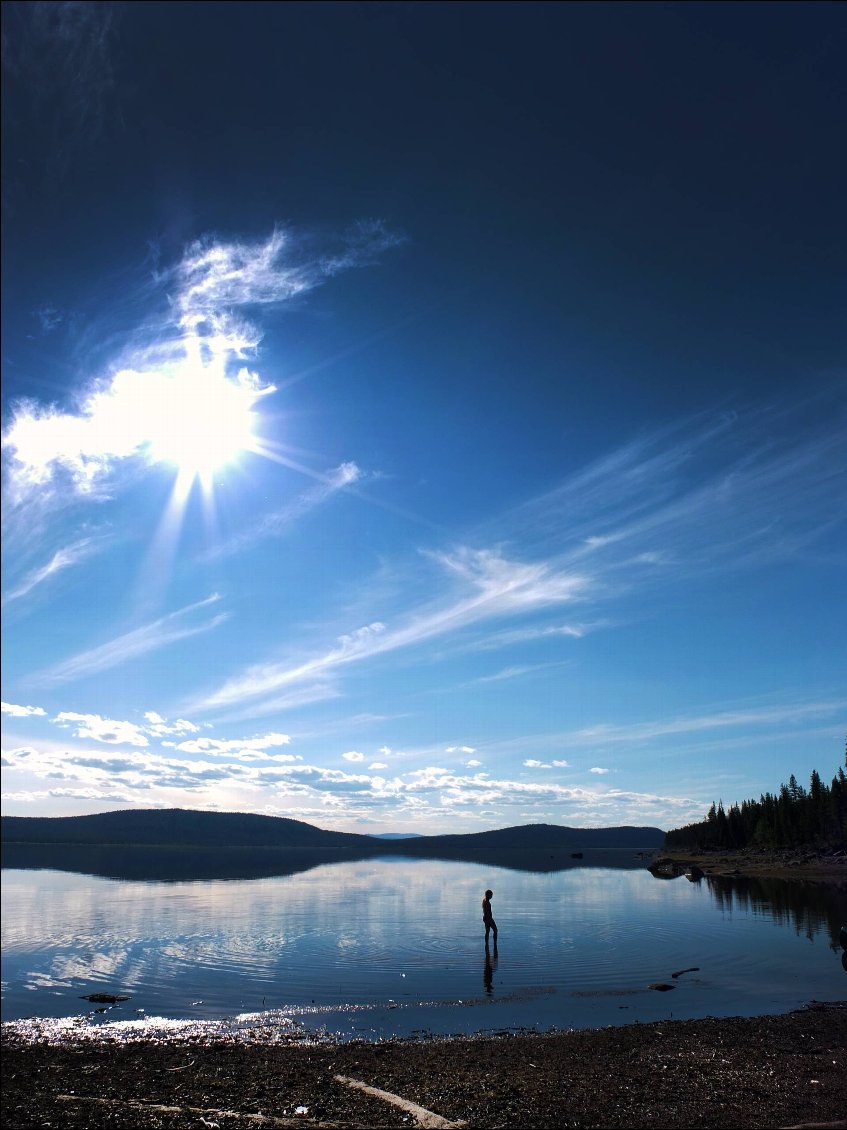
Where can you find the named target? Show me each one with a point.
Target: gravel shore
(805, 865)
(770, 1071)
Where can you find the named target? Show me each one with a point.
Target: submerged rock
(665, 869)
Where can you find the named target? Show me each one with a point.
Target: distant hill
(177, 827)
(394, 835)
(528, 837)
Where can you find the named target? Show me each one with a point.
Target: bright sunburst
(207, 421)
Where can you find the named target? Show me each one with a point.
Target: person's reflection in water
(490, 966)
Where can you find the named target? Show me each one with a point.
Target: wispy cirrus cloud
(63, 558)
(215, 277)
(516, 671)
(707, 493)
(160, 633)
(49, 318)
(533, 634)
(637, 732)
(278, 522)
(742, 726)
(498, 587)
(188, 361)
(59, 60)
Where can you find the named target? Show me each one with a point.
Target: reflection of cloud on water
(349, 932)
(41, 980)
(108, 965)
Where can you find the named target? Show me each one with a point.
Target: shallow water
(394, 946)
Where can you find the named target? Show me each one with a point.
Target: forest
(814, 817)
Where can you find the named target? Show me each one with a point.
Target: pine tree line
(793, 817)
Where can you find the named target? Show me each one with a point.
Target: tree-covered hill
(793, 817)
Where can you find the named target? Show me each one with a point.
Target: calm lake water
(395, 946)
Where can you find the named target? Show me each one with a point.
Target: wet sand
(771, 1071)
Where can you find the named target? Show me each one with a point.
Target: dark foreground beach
(772, 1071)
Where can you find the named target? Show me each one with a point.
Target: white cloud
(499, 588)
(130, 416)
(597, 769)
(321, 690)
(561, 764)
(377, 765)
(353, 755)
(21, 711)
(141, 641)
(460, 749)
(427, 797)
(637, 732)
(384, 750)
(224, 746)
(49, 317)
(103, 729)
(62, 57)
(735, 490)
(186, 370)
(215, 277)
(507, 673)
(531, 634)
(533, 763)
(279, 521)
(514, 672)
(158, 725)
(62, 559)
(473, 763)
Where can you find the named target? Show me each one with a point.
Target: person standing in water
(488, 917)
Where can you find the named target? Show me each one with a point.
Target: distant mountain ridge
(394, 835)
(186, 827)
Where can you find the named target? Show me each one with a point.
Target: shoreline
(805, 864)
(770, 1071)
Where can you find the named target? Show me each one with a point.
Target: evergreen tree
(794, 817)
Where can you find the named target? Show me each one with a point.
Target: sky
(422, 417)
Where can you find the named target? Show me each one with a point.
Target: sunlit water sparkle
(395, 947)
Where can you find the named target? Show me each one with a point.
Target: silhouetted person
(490, 966)
(488, 917)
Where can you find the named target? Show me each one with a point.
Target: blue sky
(422, 417)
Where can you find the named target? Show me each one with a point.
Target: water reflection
(490, 966)
(809, 908)
(176, 864)
(382, 946)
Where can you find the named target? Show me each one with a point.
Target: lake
(394, 946)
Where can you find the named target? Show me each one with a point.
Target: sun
(205, 419)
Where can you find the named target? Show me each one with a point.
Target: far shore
(807, 864)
